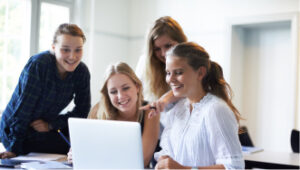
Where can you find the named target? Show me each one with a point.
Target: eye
(156, 49)
(113, 92)
(126, 88)
(167, 46)
(78, 50)
(179, 72)
(168, 73)
(65, 50)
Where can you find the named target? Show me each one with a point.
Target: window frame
(35, 20)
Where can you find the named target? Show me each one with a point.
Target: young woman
(164, 34)
(121, 97)
(202, 128)
(48, 83)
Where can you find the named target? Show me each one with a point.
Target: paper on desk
(249, 149)
(39, 157)
(45, 165)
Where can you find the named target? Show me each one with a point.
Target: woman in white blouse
(202, 129)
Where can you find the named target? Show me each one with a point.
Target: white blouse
(206, 136)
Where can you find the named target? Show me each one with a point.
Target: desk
(272, 160)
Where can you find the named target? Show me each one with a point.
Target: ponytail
(215, 83)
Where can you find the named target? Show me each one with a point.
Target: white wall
(116, 28)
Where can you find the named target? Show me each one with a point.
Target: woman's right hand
(70, 160)
(7, 154)
(156, 107)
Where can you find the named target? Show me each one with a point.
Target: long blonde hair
(155, 69)
(105, 109)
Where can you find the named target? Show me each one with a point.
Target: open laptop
(105, 144)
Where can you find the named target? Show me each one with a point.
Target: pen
(63, 136)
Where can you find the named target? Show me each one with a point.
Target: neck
(127, 116)
(197, 95)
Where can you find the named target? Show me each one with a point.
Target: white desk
(270, 159)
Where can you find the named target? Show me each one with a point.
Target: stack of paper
(45, 165)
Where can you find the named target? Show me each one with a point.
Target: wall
(117, 28)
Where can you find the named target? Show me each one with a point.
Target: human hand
(166, 162)
(156, 107)
(7, 154)
(70, 159)
(40, 125)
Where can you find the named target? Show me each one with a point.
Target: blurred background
(255, 41)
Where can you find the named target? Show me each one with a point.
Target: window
(14, 41)
(26, 28)
(51, 16)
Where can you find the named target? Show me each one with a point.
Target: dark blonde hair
(155, 69)
(69, 29)
(213, 82)
(106, 109)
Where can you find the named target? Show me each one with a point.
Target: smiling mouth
(176, 87)
(71, 62)
(124, 102)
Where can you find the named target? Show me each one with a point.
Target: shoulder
(43, 58)
(217, 109)
(94, 112)
(39, 63)
(82, 70)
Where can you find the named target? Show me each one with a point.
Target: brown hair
(69, 29)
(155, 69)
(213, 82)
(106, 109)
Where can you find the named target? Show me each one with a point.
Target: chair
(245, 137)
(295, 140)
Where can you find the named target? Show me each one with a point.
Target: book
(250, 149)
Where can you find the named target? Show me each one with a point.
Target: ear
(137, 87)
(201, 72)
(53, 47)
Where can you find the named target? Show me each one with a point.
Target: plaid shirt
(41, 94)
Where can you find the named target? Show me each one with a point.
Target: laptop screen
(105, 144)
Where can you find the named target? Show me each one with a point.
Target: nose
(169, 78)
(163, 52)
(72, 55)
(120, 94)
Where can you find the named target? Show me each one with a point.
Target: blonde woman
(121, 97)
(165, 33)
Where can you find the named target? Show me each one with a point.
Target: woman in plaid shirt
(48, 83)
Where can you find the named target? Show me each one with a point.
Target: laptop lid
(105, 144)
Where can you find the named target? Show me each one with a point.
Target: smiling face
(161, 45)
(123, 94)
(183, 79)
(68, 52)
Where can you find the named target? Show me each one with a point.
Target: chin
(178, 94)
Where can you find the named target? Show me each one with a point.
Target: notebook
(105, 144)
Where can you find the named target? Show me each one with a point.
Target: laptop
(105, 144)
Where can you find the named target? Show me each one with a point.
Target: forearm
(169, 97)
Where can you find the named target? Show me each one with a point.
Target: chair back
(295, 140)
(245, 137)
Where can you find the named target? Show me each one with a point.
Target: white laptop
(106, 144)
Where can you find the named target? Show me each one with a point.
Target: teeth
(71, 62)
(124, 102)
(177, 86)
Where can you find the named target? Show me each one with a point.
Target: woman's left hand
(166, 162)
(40, 125)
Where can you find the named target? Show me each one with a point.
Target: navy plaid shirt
(42, 94)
